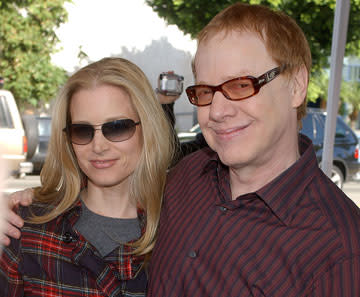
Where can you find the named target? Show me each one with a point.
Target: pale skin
(255, 137)
(108, 165)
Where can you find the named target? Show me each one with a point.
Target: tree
(27, 40)
(315, 17)
(350, 93)
(318, 86)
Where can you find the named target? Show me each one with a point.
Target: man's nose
(220, 107)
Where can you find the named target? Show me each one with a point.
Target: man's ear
(300, 83)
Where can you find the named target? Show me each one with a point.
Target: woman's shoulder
(36, 209)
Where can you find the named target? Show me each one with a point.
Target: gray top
(105, 233)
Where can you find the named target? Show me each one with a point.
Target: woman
(92, 225)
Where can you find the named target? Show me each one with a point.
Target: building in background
(132, 30)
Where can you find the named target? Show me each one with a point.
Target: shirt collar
(73, 214)
(283, 193)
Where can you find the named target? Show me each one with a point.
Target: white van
(13, 142)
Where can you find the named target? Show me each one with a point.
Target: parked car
(38, 129)
(346, 162)
(13, 141)
(189, 135)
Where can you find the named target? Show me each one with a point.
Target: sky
(103, 27)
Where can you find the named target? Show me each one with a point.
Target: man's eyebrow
(228, 77)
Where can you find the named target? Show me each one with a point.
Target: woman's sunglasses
(115, 131)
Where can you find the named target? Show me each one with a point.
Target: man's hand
(166, 99)
(13, 221)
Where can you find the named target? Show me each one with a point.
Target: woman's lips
(102, 164)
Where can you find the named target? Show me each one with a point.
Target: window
(5, 119)
(44, 126)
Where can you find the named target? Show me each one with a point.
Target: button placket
(193, 254)
(223, 209)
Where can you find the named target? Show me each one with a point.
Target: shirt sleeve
(343, 279)
(11, 281)
(169, 112)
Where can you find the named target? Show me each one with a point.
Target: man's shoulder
(330, 197)
(341, 212)
(195, 161)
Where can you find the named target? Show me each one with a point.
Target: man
(254, 215)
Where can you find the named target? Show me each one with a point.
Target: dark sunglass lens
(119, 130)
(81, 134)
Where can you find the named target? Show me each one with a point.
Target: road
(352, 189)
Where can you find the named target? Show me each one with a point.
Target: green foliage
(318, 86)
(27, 39)
(315, 17)
(350, 93)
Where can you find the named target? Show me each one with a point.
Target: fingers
(4, 240)
(23, 198)
(166, 99)
(10, 231)
(13, 221)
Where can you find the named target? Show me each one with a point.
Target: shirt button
(67, 237)
(223, 209)
(192, 254)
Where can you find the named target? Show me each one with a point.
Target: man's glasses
(116, 131)
(234, 89)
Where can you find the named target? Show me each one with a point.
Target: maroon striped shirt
(297, 236)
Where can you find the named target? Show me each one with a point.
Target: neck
(250, 178)
(109, 202)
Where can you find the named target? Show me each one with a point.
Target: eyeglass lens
(234, 89)
(115, 131)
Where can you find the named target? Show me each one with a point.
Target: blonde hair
(61, 176)
(283, 38)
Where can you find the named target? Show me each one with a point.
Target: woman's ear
(300, 82)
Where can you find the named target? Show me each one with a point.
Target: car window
(307, 126)
(319, 124)
(5, 119)
(343, 131)
(197, 130)
(44, 127)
